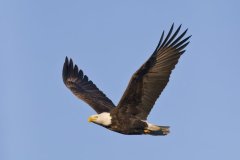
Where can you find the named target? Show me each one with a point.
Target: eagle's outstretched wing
(85, 89)
(150, 79)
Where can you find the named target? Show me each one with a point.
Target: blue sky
(39, 117)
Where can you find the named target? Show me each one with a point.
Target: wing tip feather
(65, 70)
(70, 70)
(171, 39)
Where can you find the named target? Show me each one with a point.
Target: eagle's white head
(102, 119)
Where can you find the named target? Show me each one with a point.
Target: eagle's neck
(104, 119)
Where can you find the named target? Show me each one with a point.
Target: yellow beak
(92, 119)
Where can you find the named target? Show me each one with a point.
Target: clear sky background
(40, 119)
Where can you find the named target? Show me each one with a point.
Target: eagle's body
(147, 83)
(134, 125)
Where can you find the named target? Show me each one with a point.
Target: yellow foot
(146, 131)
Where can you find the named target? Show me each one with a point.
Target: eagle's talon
(146, 131)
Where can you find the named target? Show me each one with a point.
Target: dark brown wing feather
(84, 89)
(150, 79)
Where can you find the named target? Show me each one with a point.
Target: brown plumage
(144, 88)
(85, 89)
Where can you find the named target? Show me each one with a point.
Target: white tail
(156, 130)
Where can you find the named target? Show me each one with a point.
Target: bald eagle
(130, 115)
